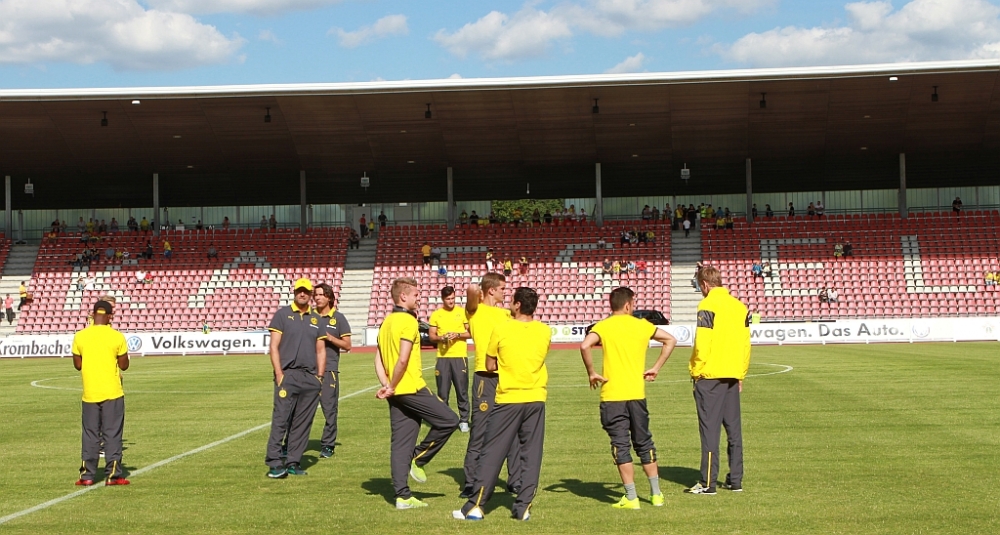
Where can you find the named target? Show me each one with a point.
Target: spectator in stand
(607, 266)
(547, 217)
(757, 270)
(205, 328)
(582, 217)
(820, 209)
(212, 251)
(492, 218)
(140, 277)
(668, 213)
(8, 305)
(102, 228)
(363, 225)
(720, 223)
(601, 244)
(22, 292)
(114, 225)
(640, 266)
(647, 214)
(679, 214)
(650, 236)
(633, 237)
(148, 279)
(148, 255)
(832, 296)
(225, 223)
(630, 267)
(768, 212)
(536, 218)
(641, 236)
(823, 296)
(354, 242)
(371, 228)
(489, 260)
(426, 252)
(383, 221)
(730, 222)
(616, 267)
(199, 226)
(109, 253)
(990, 278)
(517, 216)
(80, 283)
(522, 266)
(463, 219)
(692, 215)
(687, 227)
(132, 225)
(119, 256)
(625, 237)
(508, 267)
(55, 226)
(81, 226)
(90, 284)
(767, 269)
(144, 225)
(474, 219)
(91, 226)
(956, 206)
(273, 223)
(436, 254)
(654, 213)
(753, 211)
(848, 249)
(168, 250)
(838, 250)
(263, 222)
(791, 210)
(62, 227)
(572, 212)
(811, 210)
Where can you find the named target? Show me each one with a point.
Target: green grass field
(854, 439)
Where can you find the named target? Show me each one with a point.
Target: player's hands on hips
(596, 380)
(385, 392)
(650, 374)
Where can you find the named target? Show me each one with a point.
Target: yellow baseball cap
(303, 283)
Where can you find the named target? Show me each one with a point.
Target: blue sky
(109, 43)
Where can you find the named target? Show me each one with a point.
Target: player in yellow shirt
(624, 415)
(449, 328)
(484, 308)
(398, 367)
(100, 353)
(718, 365)
(516, 352)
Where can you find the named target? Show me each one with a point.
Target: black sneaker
(295, 470)
(735, 488)
(465, 494)
(326, 452)
(277, 473)
(514, 489)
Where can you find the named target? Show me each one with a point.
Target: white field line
(154, 466)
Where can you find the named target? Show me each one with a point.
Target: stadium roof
(822, 128)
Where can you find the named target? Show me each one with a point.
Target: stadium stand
(565, 265)
(928, 265)
(237, 290)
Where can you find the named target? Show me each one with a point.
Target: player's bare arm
(491, 363)
(320, 358)
(591, 340)
(669, 343)
(473, 295)
(276, 357)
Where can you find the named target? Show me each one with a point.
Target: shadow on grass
(682, 475)
(600, 491)
(458, 474)
(382, 486)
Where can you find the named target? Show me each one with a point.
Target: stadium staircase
(356, 287)
(685, 253)
(20, 260)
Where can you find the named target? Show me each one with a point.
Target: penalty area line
(154, 466)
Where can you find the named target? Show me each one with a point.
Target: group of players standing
(509, 387)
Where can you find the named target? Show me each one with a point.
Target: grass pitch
(854, 439)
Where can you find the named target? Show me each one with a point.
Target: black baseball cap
(103, 307)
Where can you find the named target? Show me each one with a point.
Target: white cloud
(529, 31)
(630, 64)
(455, 76)
(268, 35)
(921, 30)
(121, 33)
(258, 7)
(383, 27)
